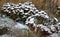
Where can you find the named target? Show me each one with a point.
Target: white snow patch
(21, 26)
(54, 35)
(44, 28)
(30, 20)
(53, 28)
(56, 19)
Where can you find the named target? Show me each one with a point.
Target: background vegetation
(49, 6)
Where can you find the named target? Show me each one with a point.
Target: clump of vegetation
(37, 21)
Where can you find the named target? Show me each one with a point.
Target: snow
(37, 14)
(53, 28)
(11, 8)
(6, 22)
(21, 10)
(44, 28)
(21, 26)
(7, 35)
(59, 7)
(30, 21)
(54, 35)
(6, 5)
(43, 14)
(56, 19)
(6, 10)
(26, 8)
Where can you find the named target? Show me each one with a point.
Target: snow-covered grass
(28, 13)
